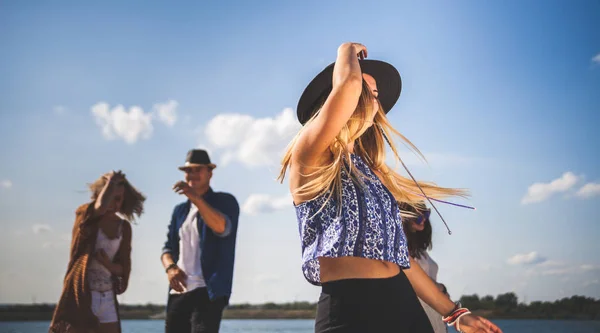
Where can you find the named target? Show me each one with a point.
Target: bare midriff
(341, 268)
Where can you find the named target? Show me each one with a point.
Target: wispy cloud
(596, 59)
(551, 263)
(167, 112)
(589, 268)
(551, 267)
(251, 141)
(539, 192)
(531, 258)
(58, 242)
(41, 228)
(557, 271)
(263, 203)
(591, 283)
(6, 184)
(59, 110)
(589, 190)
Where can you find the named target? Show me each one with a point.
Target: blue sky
(503, 99)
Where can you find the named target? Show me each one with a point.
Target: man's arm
(213, 219)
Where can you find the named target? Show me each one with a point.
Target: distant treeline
(508, 306)
(505, 306)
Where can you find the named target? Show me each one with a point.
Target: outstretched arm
(428, 291)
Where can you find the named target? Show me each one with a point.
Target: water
(306, 326)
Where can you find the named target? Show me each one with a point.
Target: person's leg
(179, 310)
(104, 307)
(207, 314)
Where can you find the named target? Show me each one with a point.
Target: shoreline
(244, 314)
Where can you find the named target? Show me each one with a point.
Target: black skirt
(371, 306)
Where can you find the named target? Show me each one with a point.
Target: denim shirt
(217, 250)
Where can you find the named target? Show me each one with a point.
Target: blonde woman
(346, 200)
(100, 261)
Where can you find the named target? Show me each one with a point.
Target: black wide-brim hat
(389, 85)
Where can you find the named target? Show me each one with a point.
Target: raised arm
(338, 107)
(113, 179)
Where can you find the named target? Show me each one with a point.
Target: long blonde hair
(369, 144)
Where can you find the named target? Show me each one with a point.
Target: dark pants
(371, 306)
(193, 312)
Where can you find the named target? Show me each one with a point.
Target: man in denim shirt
(199, 252)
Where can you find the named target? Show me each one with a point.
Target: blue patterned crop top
(368, 225)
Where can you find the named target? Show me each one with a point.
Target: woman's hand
(474, 324)
(356, 48)
(103, 258)
(115, 177)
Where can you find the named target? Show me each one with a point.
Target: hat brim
(188, 165)
(389, 86)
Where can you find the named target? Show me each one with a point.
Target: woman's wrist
(457, 305)
(452, 319)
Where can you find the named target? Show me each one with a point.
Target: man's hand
(177, 279)
(182, 187)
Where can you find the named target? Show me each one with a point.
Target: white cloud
(263, 203)
(60, 110)
(167, 112)
(6, 184)
(228, 130)
(589, 190)
(119, 123)
(252, 141)
(530, 258)
(539, 192)
(596, 59)
(41, 228)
